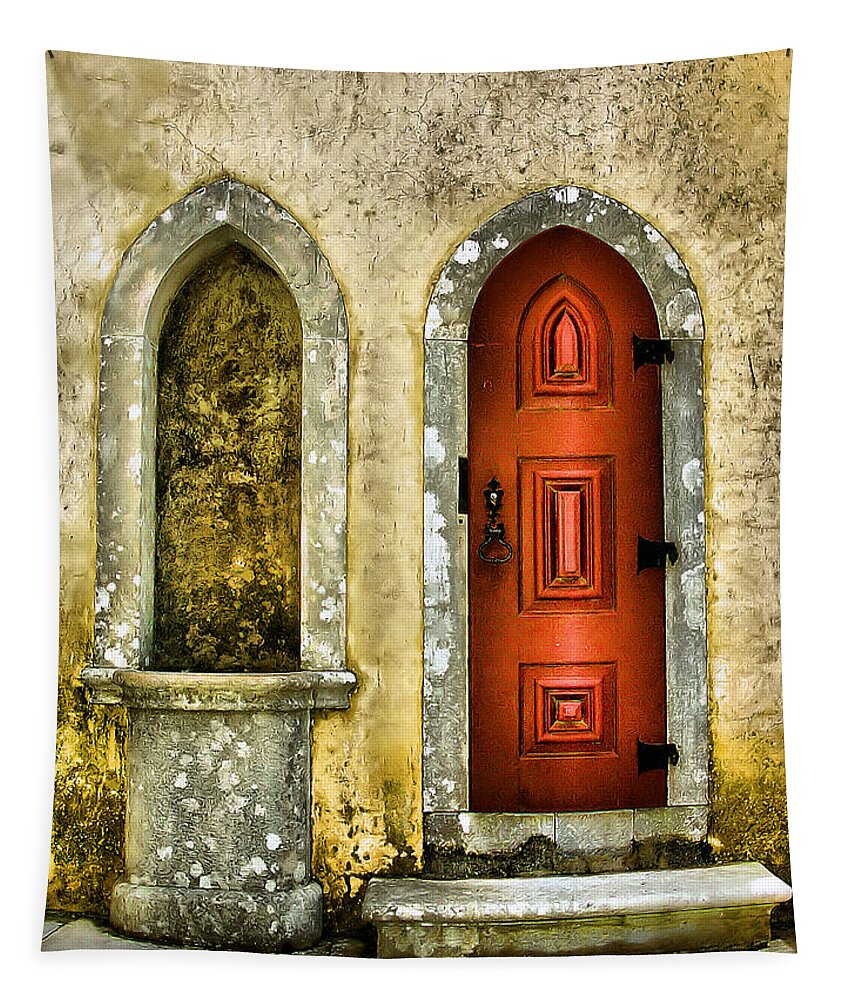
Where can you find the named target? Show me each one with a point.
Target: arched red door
(567, 637)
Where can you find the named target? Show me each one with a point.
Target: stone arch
(448, 821)
(151, 272)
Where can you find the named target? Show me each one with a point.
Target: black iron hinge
(654, 555)
(650, 351)
(657, 756)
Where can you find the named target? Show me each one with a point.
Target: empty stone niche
(220, 602)
(226, 580)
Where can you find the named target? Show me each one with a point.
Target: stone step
(692, 909)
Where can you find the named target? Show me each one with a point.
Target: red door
(567, 638)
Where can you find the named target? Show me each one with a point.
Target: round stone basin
(217, 838)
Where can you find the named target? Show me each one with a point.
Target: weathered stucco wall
(389, 172)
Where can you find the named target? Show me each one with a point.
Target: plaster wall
(388, 173)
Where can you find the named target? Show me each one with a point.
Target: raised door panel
(564, 349)
(567, 537)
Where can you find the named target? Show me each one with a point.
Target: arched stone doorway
(449, 822)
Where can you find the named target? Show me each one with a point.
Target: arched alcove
(221, 573)
(222, 217)
(449, 822)
(228, 470)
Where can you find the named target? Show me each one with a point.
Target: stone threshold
(694, 909)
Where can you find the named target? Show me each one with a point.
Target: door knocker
(494, 530)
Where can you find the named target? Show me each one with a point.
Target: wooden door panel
(566, 535)
(566, 640)
(563, 349)
(567, 709)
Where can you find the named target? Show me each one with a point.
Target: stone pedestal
(218, 805)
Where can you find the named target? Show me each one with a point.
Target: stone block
(671, 823)
(485, 833)
(695, 909)
(595, 833)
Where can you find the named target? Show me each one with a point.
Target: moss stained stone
(228, 471)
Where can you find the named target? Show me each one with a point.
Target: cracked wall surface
(389, 173)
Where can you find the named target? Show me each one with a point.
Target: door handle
(494, 529)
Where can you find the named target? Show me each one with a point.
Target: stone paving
(70, 932)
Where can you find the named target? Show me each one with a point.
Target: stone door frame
(151, 271)
(449, 823)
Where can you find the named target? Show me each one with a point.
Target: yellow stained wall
(389, 172)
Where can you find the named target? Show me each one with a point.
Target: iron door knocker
(494, 530)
